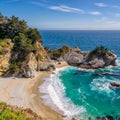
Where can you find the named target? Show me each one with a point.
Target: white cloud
(68, 9)
(100, 4)
(60, 8)
(64, 8)
(95, 13)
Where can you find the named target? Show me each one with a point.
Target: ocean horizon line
(74, 30)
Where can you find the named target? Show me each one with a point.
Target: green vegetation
(19, 39)
(21, 35)
(100, 51)
(14, 67)
(14, 113)
(5, 45)
(59, 52)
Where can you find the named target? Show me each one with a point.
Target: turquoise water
(85, 93)
(91, 90)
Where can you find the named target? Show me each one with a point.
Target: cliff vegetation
(8, 112)
(21, 45)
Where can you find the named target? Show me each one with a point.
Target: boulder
(30, 73)
(74, 58)
(105, 118)
(115, 85)
(47, 67)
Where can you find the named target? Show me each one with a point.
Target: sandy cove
(24, 92)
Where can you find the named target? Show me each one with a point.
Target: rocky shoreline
(100, 57)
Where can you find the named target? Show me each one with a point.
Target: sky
(65, 14)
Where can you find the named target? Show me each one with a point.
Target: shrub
(8, 112)
(101, 50)
(60, 52)
(5, 45)
(14, 67)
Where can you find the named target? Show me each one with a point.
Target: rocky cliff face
(29, 66)
(23, 53)
(98, 58)
(41, 55)
(5, 55)
(26, 63)
(33, 61)
(18, 63)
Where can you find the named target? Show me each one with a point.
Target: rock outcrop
(29, 66)
(74, 58)
(5, 55)
(47, 67)
(33, 62)
(41, 55)
(98, 58)
(28, 62)
(115, 85)
(105, 118)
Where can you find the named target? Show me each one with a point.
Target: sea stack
(100, 57)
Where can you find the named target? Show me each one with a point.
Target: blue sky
(65, 14)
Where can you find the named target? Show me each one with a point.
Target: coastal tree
(23, 38)
(34, 35)
(101, 50)
(55, 54)
(21, 35)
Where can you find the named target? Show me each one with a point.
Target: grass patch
(8, 112)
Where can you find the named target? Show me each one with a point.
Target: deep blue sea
(85, 40)
(81, 93)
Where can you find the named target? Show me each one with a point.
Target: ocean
(81, 93)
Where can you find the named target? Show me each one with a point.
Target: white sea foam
(54, 96)
(87, 70)
(118, 62)
(102, 85)
(79, 91)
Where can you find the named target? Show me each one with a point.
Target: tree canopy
(101, 50)
(17, 30)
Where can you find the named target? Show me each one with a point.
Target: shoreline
(37, 103)
(24, 92)
(53, 95)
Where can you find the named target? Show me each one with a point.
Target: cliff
(21, 50)
(5, 55)
(27, 63)
(100, 57)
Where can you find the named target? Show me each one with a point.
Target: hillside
(8, 112)
(21, 50)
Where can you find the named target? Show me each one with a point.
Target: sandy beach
(24, 92)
